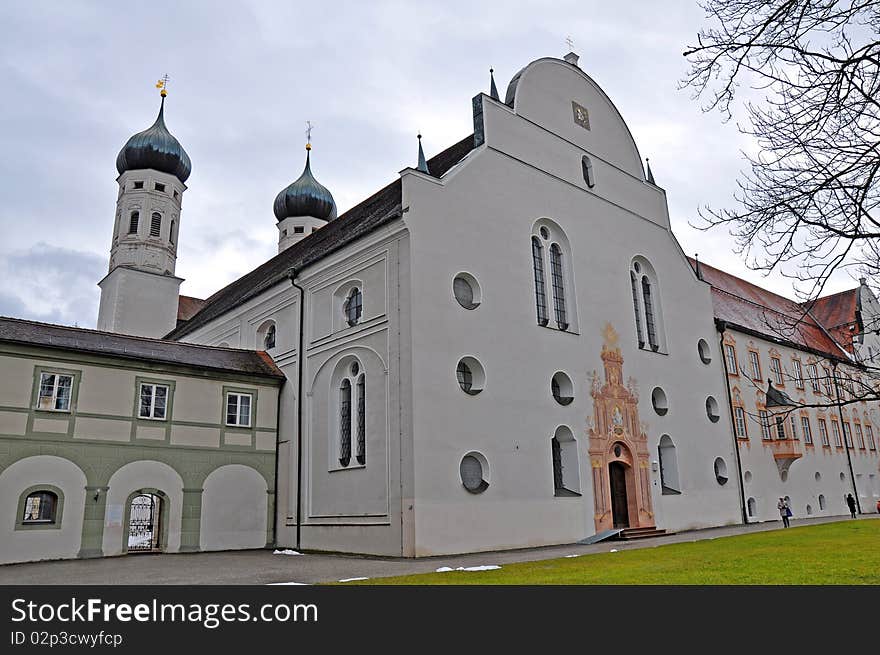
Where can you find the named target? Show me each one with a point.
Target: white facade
(478, 219)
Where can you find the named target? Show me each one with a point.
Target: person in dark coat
(852, 504)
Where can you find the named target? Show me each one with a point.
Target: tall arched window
(269, 339)
(345, 422)
(637, 309)
(650, 319)
(133, 220)
(353, 307)
(668, 466)
(361, 455)
(564, 458)
(540, 294)
(558, 286)
(171, 233)
(552, 257)
(556, 452)
(646, 305)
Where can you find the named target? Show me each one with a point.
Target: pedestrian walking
(784, 511)
(852, 504)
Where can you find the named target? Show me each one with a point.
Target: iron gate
(143, 532)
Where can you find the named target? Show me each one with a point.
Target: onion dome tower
(139, 295)
(303, 207)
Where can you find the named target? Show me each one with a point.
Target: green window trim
(39, 370)
(169, 400)
(239, 429)
(54, 524)
(250, 417)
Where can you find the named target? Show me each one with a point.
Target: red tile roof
(754, 309)
(838, 313)
(187, 307)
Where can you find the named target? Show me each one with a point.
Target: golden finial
(309, 127)
(162, 83)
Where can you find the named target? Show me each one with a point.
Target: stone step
(642, 533)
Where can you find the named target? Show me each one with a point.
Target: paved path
(262, 567)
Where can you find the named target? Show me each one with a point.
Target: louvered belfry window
(361, 421)
(345, 423)
(558, 286)
(649, 314)
(156, 224)
(540, 294)
(133, 222)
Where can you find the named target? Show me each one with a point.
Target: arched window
(564, 458)
(638, 311)
(558, 286)
(171, 233)
(361, 455)
(351, 433)
(668, 466)
(650, 320)
(133, 220)
(269, 338)
(345, 422)
(540, 295)
(587, 166)
(751, 507)
(40, 507)
(646, 305)
(353, 307)
(552, 256)
(156, 224)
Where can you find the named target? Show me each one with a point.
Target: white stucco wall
(45, 543)
(233, 509)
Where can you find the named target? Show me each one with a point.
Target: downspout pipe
(275, 481)
(846, 446)
(722, 327)
(300, 355)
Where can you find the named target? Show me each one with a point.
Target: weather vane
(163, 84)
(309, 127)
(569, 43)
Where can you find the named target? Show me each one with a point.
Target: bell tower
(139, 295)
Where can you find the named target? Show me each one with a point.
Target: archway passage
(619, 501)
(144, 523)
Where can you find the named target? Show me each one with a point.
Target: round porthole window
(720, 471)
(473, 470)
(809, 510)
(617, 450)
(561, 388)
(658, 400)
(355, 368)
(703, 350)
(748, 476)
(466, 291)
(818, 476)
(470, 375)
(545, 233)
(712, 409)
(842, 477)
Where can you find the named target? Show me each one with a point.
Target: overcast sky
(78, 80)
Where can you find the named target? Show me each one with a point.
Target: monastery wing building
(505, 347)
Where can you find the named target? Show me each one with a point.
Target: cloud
(51, 284)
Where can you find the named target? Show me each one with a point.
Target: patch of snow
(613, 550)
(305, 584)
(485, 567)
(576, 555)
(286, 551)
(352, 579)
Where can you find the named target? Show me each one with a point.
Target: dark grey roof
(61, 337)
(305, 197)
(155, 148)
(777, 397)
(377, 210)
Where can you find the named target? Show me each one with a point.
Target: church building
(504, 347)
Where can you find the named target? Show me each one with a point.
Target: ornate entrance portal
(618, 447)
(144, 523)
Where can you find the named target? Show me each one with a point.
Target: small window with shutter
(156, 224)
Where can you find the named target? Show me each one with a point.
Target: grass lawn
(831, 553)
